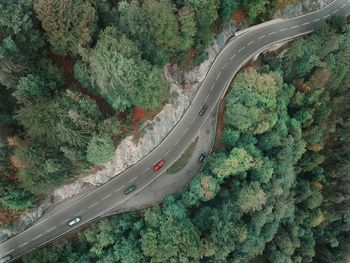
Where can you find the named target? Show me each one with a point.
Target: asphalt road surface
(108, 196)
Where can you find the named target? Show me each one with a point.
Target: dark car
(158, 165)
(203, 110)
(6, 259)
(130, 189)
(201, 157)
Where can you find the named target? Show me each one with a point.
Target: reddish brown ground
(8, 216)
(239, 16)
(139, 116)
(68, 66)
(220, 127)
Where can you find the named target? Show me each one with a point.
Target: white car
(6, 259)
(74, 221)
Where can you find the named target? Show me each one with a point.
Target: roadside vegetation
(279, 188)
(72, 72)
(184, 159)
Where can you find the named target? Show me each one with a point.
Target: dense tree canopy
(277, 189)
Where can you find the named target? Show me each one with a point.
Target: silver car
(74, 221)
(6, 259)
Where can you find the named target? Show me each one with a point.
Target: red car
(158, 165)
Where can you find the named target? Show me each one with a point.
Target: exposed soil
(8, 216)
(139, 116)
(220, 127)
(239, 16)
(68, 66)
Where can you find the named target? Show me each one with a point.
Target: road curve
(235, 54)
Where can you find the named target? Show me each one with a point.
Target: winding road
(235, 54)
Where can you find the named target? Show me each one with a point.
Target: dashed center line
(274, 32)
(146, 169)
(218, 75)
(206, 98)
(283, 29)
(80, 212)
(104, 198)
(343, 5)
(326, 16)
(232, 56)
(37, 237)
(251, 42)
(316, 20)
(335, 11)
(306, 23)
(211, 89)
(120, 188)
(295, 26)
(184, 131)
(241, 49)
(224, 66)
(177, 142)
(25, 243)
(133, 179)
(93, 205)
(49, 230)
(167, 152)
(63, 222)
(261, 37)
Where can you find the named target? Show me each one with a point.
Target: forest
(73, 71)
(277, 190)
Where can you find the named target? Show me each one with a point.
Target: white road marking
(295, 26)
(251, 42)
(104, 198)
(49, 230)
(211, 89)
(335, 11)
(25, 243)
(37, 237)
(218, 75)
(316, 20)
(133, 179)
(274, 32)
(326, 16)
(283, 29)
(146, 169)
(261, 37)
(177, 141)
(63, 222)
(206, 98)
(232, 56)
(241, 49)
(93, 205)
(120, 188)
(306, 23)
(80, 212)
(8, 252)
(343, 5)
(224, 66)
(168, 151)
(184, 131)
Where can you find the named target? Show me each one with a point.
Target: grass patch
(183, 160)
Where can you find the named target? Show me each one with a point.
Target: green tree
(69, 24)
(100, 149)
